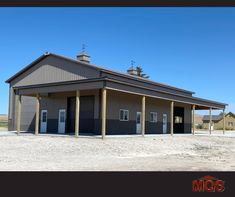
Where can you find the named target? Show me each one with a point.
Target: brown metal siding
(27, 113)
(161, 107)
(115, 102)
(187, 116)
(187, 119)
(11, 109)
(11, 102)
(52, 103)
(52, 69)
(118, 100)
(139, 90)
(62, 88)
(58, 101)
(86, 115)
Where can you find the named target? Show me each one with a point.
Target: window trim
(152, 112)
(181, 118)
(41, 116)
(124, 110)
(62, 116)
(230, 125)
(44, 116)
(59, 115)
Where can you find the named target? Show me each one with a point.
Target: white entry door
(164, 121)
(61, 121)
(212, 126)
(138, 123)
(43, 125)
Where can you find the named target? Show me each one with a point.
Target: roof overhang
(112, 84)
(140, 90)
(86, 84)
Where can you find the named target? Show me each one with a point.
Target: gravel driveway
(27, 152)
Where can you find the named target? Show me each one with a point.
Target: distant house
(198, 121)
(217, 121)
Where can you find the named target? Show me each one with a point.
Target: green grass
(3, 122)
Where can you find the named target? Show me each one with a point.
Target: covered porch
(106, 86)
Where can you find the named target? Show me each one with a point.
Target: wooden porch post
(104, 95)
(210, 122)
(37, 115)
(143, 116)
(77, 113)
(19, 114)
(172, 118)
(193, 119)
(223, 121)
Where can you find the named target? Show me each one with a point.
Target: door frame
(180, 112)
(65, 117)
(164, 132)
(138, 132)
(212, 125)
(41, 118)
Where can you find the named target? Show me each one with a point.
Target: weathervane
(83, 48)
(132, 63)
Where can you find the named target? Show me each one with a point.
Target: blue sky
(190, 48)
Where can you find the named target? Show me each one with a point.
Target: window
(44, 116)
(178, 120)
(138, 117)
(124, 115)
(62, 116)
(230, 124)
(153, 116)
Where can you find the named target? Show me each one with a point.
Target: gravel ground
(27, 152)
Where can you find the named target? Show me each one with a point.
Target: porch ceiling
(67, 86)
(198, 107)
